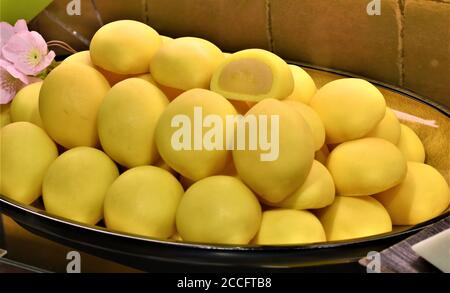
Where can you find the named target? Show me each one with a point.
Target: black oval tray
(169, 256)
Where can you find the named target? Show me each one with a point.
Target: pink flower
(11, 81)
(28, 52)
(7, 31)
(23, 55)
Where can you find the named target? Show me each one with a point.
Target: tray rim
(11, 204)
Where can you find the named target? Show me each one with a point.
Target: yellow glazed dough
(410, 145)
(388, 128)
(229, 170)
(218, 209)
(127, 120)
(313, 121)
(283, 226)
(354, 217)
(253, 75)
(275, 179)
(317, 192)
(143, 201)
(304, 86)
(165, 39)
(170, 93)
(25, 105)
(366, 166)
(124, 47)
(76, 182)
(186, 63)
(26, 153)
(68, 104)
(193, 163)
(349, 108)
(423, 195)
(84, 57)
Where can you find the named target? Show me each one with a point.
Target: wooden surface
(400, 258)
(9, 266)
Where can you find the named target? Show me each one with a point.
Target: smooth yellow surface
(284, 226)
(354, 217)
(170, 93)
(68, 104)
(165, 39)
(76, 183)
(366, 166)
(410, 145)
(124, 47)
(313, 121)
(229, 170)
(143, 201)
(84, 57)
(275, 180)
(423, 195)
(193, 164)
(127, 120)
(388, 128)
(349, 108)
(186, 63)
(218, 209)
(253, 75)
(26, 152)
(25, 105)
(304, 86)
(79, 57)
(5, 114)
(317, 192)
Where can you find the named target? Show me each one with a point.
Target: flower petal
(18, 50)
(21, 25)
(6, 32)
(45, 62)
(9, 84)
(3, 63)
(6, 96)
(8, 67)
(28, 52)
(39, 42)
(17, 44)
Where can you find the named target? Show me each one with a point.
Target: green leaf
(12, 10)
